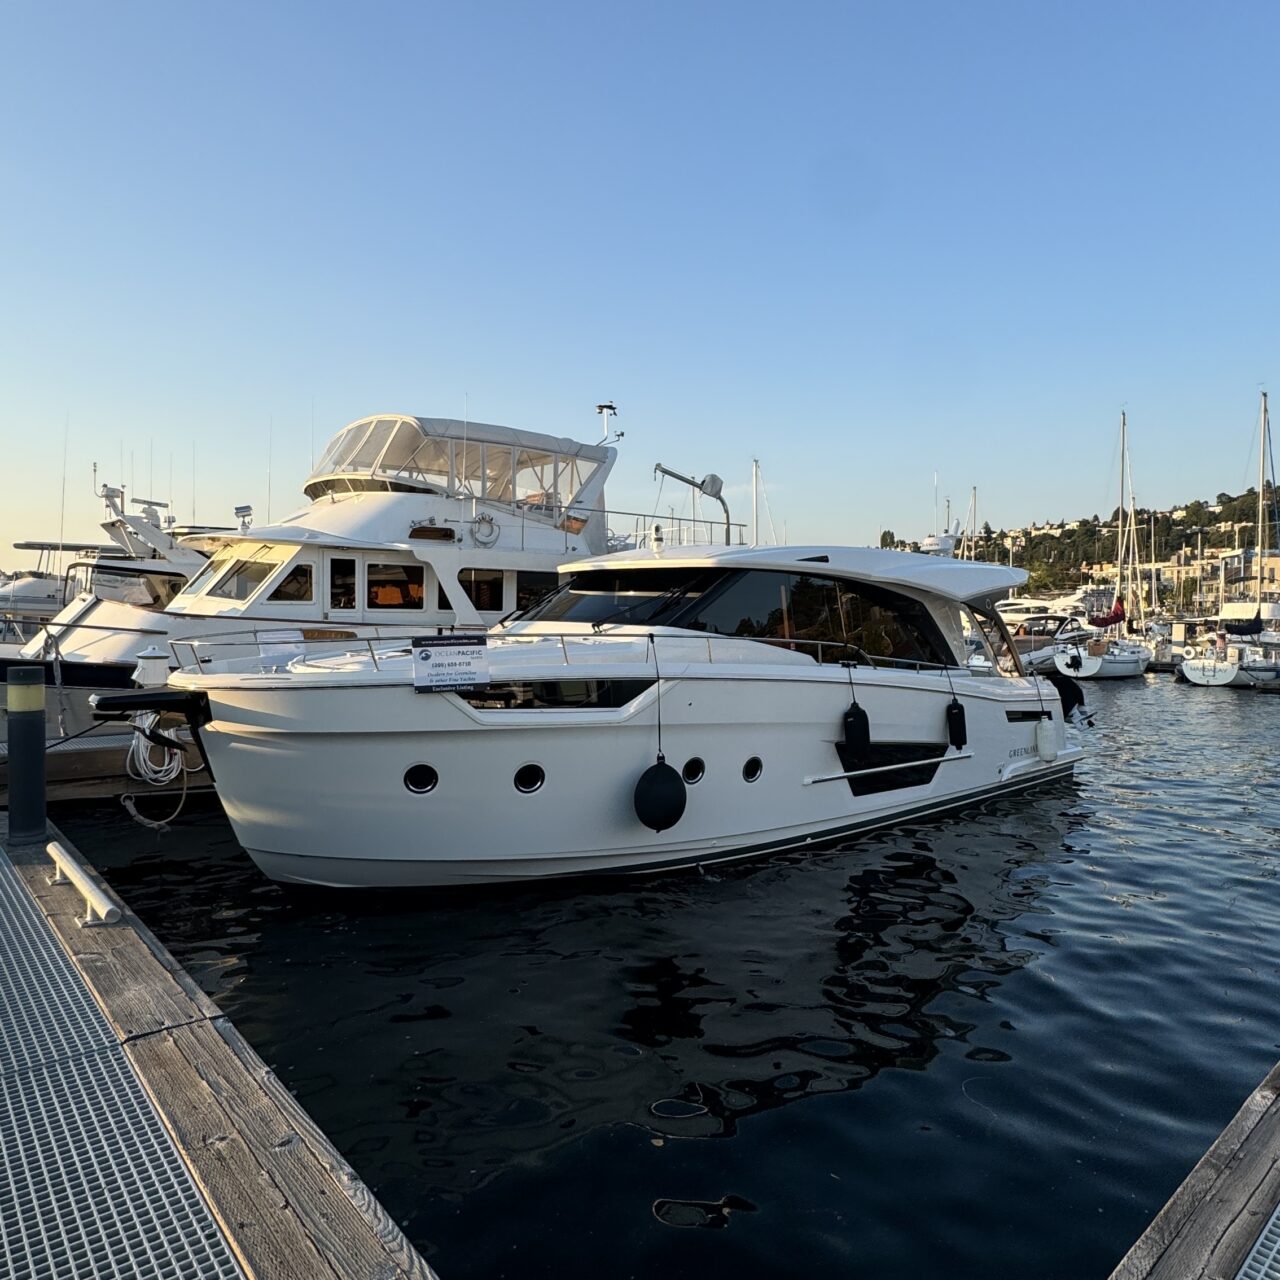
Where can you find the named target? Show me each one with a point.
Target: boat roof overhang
(963, 581)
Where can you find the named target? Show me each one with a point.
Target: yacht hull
(316, 781)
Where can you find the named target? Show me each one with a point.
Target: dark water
(990, 1047)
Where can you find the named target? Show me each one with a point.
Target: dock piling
(25, 690)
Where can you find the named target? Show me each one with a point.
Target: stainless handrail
(374, 640)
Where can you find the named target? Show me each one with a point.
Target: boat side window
(296, 586)
(754, 603)
(532, 585)
(832, 612)
(395, 586)
(342, 583)
(244, 579)
(483, 587)
(627, 597)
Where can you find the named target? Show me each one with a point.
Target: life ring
(1188, 651)
(486, 530)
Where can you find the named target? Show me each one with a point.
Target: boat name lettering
(1021, 751)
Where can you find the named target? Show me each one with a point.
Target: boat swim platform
(140, 1134)
(1223, 1222)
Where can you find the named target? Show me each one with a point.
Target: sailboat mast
(1263, 426)
(1124, 440)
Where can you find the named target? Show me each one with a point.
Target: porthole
(529, 777)
(752, 770)
(421, 778)
(693, 770)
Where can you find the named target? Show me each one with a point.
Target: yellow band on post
(25, 697)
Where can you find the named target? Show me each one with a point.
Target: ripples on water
(990, 1047)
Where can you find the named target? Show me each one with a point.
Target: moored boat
(662, 708)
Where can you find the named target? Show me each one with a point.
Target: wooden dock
(288, 1205)
(1211, 1226)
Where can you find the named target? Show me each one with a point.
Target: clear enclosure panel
(339, 446)
(574, 474)
(405, 441)
(371, 446)
(499, 462)
(536, 479)
(428, 464)
(469, 458)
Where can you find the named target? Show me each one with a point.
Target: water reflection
(441, 1039)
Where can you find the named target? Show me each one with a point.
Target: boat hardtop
(960, 581)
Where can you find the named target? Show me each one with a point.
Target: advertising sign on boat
(449, 662)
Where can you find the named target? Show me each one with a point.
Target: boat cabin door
(341, 586)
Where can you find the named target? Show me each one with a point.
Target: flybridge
(540, 474)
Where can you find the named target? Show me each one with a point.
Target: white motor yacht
(662, 708)
(421, 522)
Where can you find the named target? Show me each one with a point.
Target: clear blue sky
(862, 242)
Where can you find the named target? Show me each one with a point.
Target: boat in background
(429, 523)
(1101, 650)
(1245, 651)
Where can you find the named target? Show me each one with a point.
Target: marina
(639, 642)
(632, 1063)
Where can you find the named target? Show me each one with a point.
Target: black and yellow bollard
(25, 689)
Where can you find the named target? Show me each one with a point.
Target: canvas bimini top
(964, 581)
(458, 459)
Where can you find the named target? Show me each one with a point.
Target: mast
(1120, 545)
(1262, 484)
(1155, 595)
(755, 502)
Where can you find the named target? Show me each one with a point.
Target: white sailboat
(1103, 653)
(1245, 651)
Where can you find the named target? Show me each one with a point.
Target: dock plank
(268, 1237)
(290, 1205)
(321, 1204)
(1214, 1217)
(366, 1203)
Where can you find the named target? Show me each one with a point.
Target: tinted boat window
(532, 585)
(832, 611)
(639, 595)
(296, 586)
(483, 587)
(342, 583)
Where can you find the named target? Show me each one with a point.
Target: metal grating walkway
(1263, 1262)
(90, 1183)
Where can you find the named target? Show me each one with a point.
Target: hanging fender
(957, 730)
(857, 733)
(660, 796)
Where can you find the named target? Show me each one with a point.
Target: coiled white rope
(139, 763)
(141, 766)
